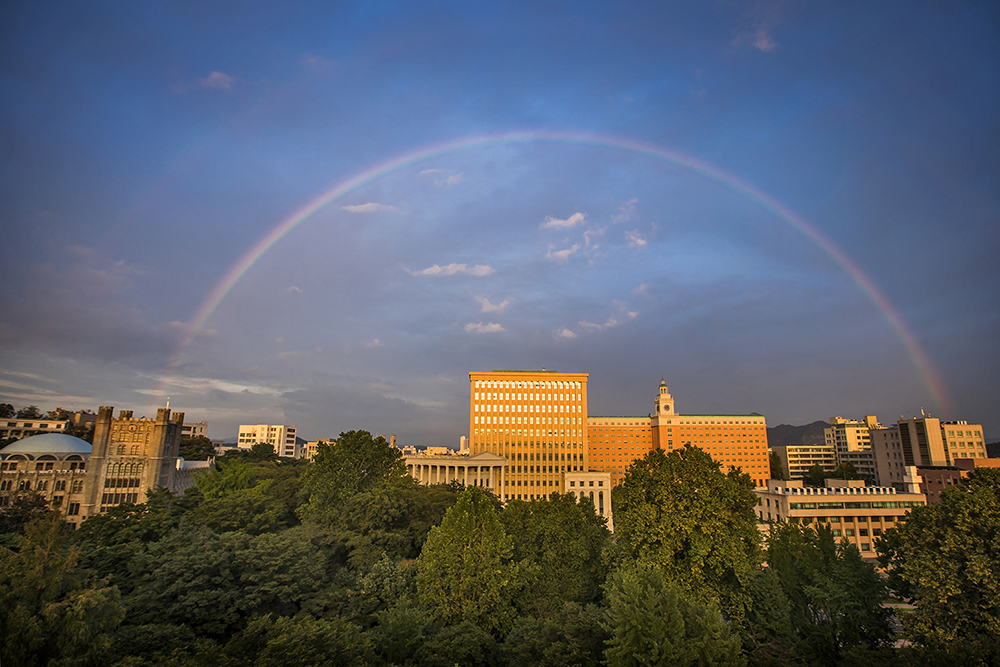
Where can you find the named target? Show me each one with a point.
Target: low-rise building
(25, 428)
(853, 511)
(193, 430)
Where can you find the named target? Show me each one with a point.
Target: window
(849, 532)
(863, 532)
(73, 509)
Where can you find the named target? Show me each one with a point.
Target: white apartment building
(279, 436)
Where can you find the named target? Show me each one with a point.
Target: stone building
(129, 457)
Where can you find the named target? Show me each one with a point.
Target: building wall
(963, 440)
(537, 420)
(62, 479)
(279, 436)
(798, 460)
(131, 456)
(615, 442)
(853, 511)
(24, 428)
(595, 487)
(195, 429)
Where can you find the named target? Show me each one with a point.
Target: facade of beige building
(852, 510)
(279, 436)
(798, 460)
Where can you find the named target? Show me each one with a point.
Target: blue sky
(147, 147)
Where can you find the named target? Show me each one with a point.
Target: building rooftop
(48, 443)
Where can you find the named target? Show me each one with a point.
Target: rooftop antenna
(168, 402)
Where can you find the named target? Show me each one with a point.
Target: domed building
(129, 457)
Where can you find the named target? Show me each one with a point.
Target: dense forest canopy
(346, 560)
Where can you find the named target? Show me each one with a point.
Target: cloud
(635, 239)
(374, 342)
(562, 255)
(319, 64)
(452, 269)
(763, 42)
(592, 234)
(479, 327)
(565, 333)
(641, 289)
(440, 179)
(571, 221)
(293, 290)
(370, 207)
(217, 81)
(625, 212)
(492, 307)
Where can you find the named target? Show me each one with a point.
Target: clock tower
(662, 417)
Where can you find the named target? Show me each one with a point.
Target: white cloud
(374, 342)
(427, 172)
(479, 327)
(217, 81)
(571, 221)
(454, 179)
(591, 234)
(370, 207)
(492, 307)
(293, 289)
(453, 269)
(625, 211)
(565, 333)
(641, 289)
(635, 239)
(562, 255)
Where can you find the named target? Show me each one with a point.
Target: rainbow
(919, 357)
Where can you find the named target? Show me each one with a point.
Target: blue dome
(48, 443)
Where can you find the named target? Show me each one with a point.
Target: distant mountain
(785, 434)
(993, 450)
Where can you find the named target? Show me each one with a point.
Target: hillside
(786, 434)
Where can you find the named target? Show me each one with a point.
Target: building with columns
(483, 469)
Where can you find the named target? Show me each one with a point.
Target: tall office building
(536, 420)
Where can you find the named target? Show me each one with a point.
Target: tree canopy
(467, 571)
(946, 558)
(679, 512)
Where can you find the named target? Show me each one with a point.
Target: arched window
(121, 449)
(135, 450)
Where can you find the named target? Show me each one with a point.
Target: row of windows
(121, 482)
(528, 384)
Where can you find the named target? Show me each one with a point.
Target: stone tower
(130, 457)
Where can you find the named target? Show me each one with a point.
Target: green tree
(82, 431)
(777, 467)
(466, 568)
(834, 597)
(25, 508)
(7, 411)
(357, 462)
(51, 613)
(275, 641)
(946, 558)
(678, 511)
(561, 542)
(196, 448)
(574, 636)
(29, 412)
(654, 622)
